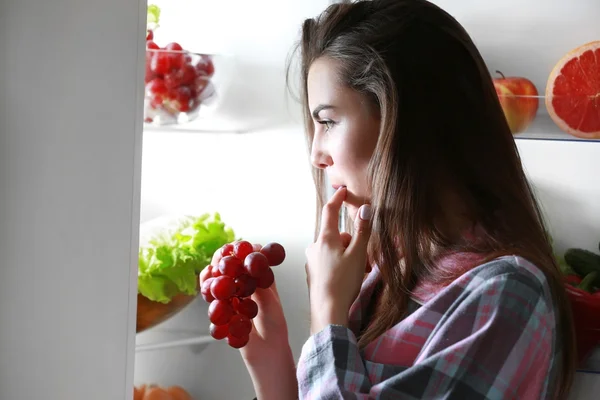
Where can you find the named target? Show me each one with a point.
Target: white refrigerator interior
(70, 164)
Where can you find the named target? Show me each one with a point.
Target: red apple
(519, 99)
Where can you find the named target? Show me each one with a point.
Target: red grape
(156, 86)
(220, 312)
(183, 96)
(231, 266)
(200, 84)
(256, 247)
(247, 307)
(208, 268)
(173, 46)
(237, 343)
(216, 272)
(176, 56)
(222, 288)
(188, 75)
(274, 252)
(205, 290)
(149, 34)
(160, 63)
(242, 249)
(174, 79)
(227, 250)
(256, 264)
(150, 45)
(245, 286)
(219, 332)
(205, 66)
(240, 326)
(266, 280)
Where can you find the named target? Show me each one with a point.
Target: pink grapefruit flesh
(573, 92)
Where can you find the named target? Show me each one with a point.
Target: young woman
(464, 298)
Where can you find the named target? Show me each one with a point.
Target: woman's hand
(267, 355)
(336, 265)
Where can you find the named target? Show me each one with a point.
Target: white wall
(70, 158)
(181, 171)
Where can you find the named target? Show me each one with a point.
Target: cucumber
(564, 267)
(583, 261)
(590, 281)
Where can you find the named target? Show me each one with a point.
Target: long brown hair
(442, 131)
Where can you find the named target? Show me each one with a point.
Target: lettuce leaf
(153, 16)
(168, 265)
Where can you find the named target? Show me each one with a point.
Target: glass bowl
(178, 83)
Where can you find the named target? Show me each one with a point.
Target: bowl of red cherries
(177, 83)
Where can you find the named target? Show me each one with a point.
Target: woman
(464, 299)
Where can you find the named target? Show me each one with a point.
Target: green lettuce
(168, 265)
(153, 16)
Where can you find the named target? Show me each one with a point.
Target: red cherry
(150, 35)
(150, 45)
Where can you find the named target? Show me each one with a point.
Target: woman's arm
(275, 379)
(497, 342)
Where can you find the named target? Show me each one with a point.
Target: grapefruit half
(573, 92)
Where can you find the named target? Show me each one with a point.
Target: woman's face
(346, 131)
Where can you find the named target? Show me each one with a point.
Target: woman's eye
(328, 124)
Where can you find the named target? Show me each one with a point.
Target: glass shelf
(157, 339)
(592, 365)
(542, 126)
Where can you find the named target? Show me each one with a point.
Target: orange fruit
(138, 392)
(178, 393)
(156, 393)
(573, 92)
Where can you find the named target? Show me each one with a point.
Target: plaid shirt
(488, 335)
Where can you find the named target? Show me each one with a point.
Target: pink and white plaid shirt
(491, 334)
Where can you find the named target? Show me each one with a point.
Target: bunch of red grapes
(242, 269)
(176, 80)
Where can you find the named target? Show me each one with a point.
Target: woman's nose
(319, 158)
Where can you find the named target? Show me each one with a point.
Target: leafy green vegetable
(153, 16)
(169, 264)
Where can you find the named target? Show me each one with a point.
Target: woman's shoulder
(511, 268)
(505, 275)
(512, 277)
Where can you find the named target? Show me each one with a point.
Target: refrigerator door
(71, 96)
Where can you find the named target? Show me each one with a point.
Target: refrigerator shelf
(156, 339)
(543, 128)
(592, 364)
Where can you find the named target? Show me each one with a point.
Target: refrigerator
(83, 177)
